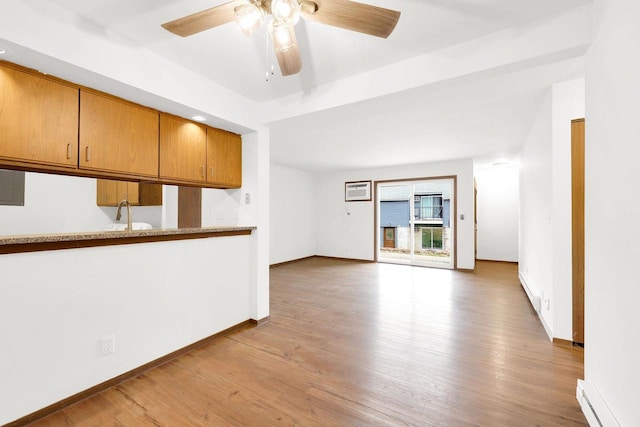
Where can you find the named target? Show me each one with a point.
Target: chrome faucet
(126, 203)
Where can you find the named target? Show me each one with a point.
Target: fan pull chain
(266, 54)
(270, 69)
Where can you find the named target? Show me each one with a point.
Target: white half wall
(612, 293)
(153, 297)
(293, 219)
(497, 206)
(347, 229)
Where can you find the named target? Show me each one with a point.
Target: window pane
(437, 238)
(426, 238)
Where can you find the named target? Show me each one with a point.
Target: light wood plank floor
(354, 343)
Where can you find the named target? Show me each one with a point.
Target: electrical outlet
(247, 199)
(108, 345)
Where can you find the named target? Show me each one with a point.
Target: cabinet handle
(211, 170)
(202, 171)
(68, 151)
(88, 153)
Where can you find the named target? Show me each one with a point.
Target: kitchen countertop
(44, 242)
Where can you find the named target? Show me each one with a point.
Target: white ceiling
(484, 118)
(337, 113)
(225, 55)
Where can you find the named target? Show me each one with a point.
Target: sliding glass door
(415, 222)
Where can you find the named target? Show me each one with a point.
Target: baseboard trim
(546, 327)
(344, 259)
(466, 270)
(259, 322)
(497, 260)
(55, 407)
(280, 264)
(559, 342)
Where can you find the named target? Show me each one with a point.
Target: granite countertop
(39, 242)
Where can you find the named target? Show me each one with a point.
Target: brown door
(389, 237)
(577, 227)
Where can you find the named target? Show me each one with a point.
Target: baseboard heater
(535, 300)
(594, 407)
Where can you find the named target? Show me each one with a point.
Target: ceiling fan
(250, 14)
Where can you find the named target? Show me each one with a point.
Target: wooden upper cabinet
(224, 158)
(52, 125)
(38, 119)
(117, 136)
(111, 193)
(183, 149)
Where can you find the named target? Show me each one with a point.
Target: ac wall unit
(357, 191)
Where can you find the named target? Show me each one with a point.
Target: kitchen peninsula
(156, 292)
(45, 242)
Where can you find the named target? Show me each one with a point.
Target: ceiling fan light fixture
(282, 35)
(249, 17)
(287, 11)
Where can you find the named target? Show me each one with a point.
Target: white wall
(545, 207)
(169, 206)
(154, 297)
(497, 209)
(536, 265)
(612, 293)
(64, 204)
(293, 220)
(255, 181)
(567, 104)
(221, 207)
(346, 230)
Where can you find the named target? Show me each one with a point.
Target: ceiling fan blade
(354, 16)
(289, 59)
(201, 21)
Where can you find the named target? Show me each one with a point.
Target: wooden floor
(364, 344)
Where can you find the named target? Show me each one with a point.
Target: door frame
(454, 214)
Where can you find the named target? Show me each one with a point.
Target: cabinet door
(182, 149)
(224, 158)
(106, 192)
(128, 191)
(110, 193)
(117, 136)
(38, 119)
